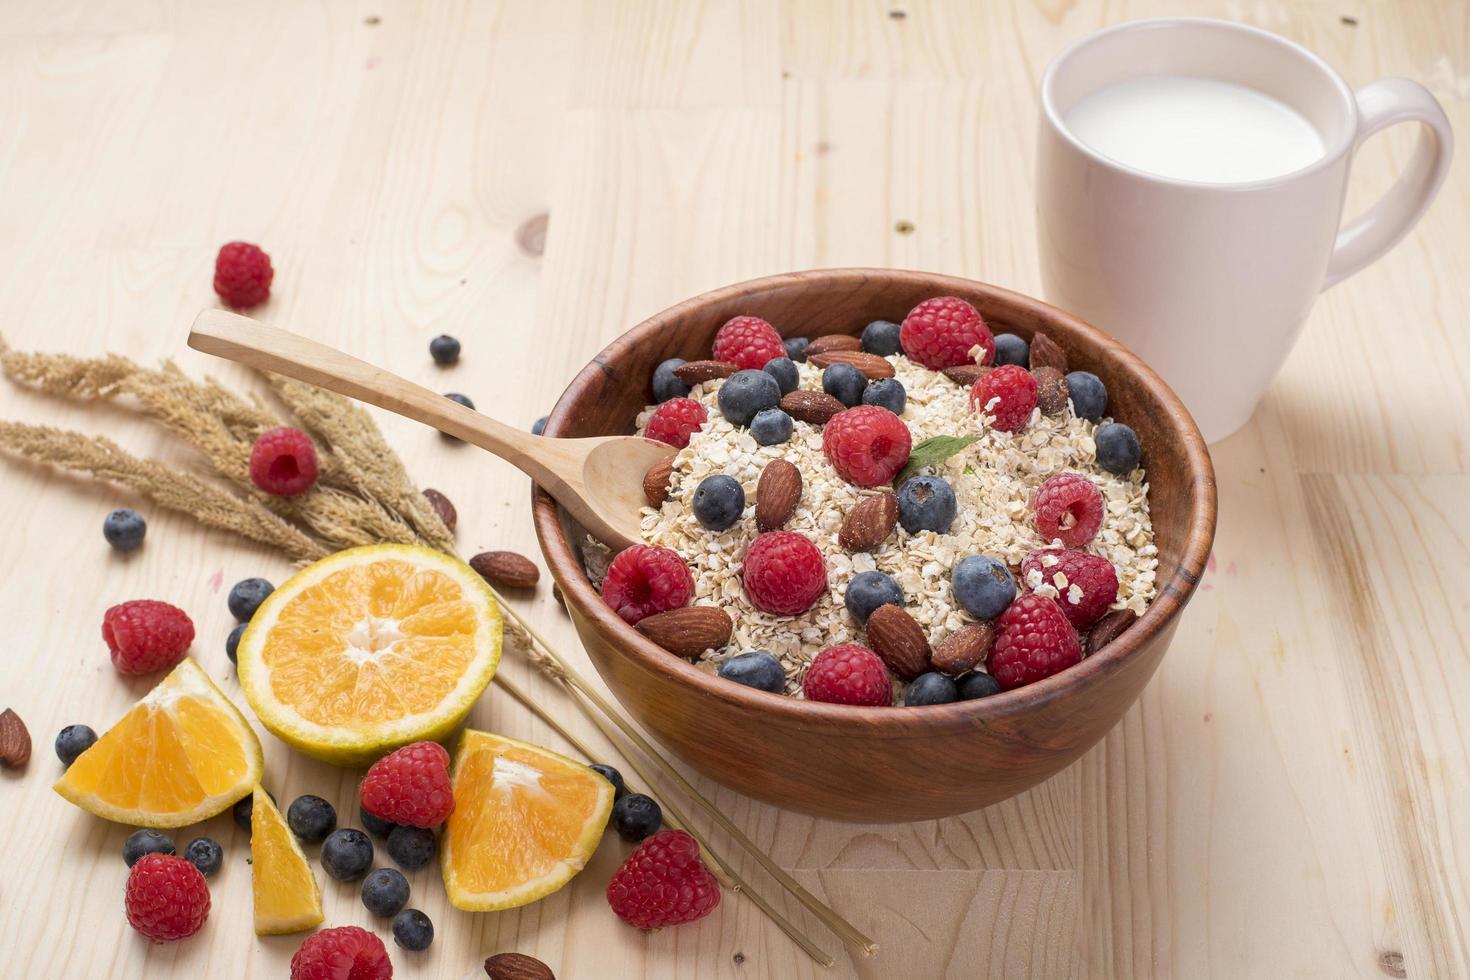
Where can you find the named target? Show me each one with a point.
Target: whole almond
(656, 481)
(872, 366)
(694, 372)
(442, 507)
(869, 523)
(965, 374)
(517, 966)
(506, 569)
(688, 631)
(777, 493)
(1046, 353)
(15, 741)
(1051, 390)
(1108, 629)
(963, 649)
(898, 639)
(812, 407)
(831, 342)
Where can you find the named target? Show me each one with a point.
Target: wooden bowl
(882, 764)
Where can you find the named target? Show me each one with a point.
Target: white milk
(1195, 129)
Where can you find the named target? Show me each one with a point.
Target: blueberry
(1010, 349)
(412, 847)
(205, 854)
(141, 842)
(1117, 448)
(983, 586)
(72, 741)
(745, 393)
(796, 348)
(246, 597)
(665, 384)
(444, 349)
(783, 369)
(232, 642)
(611, 775)
(757, 669)
(412, 930)
(376, 826)
(844, 383)
(881, 337)
(464, 400)
(311, 818)
(1089, 395)
(244, 807)
(926, 503)
(718, 502)
(385, 891)
(977, 684)
(930, 688)
(347, 854)
(771, 427)
(869, 590)
(886, 393)
(538, 427)
(124, 529)
(636, 817)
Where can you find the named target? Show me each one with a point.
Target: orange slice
(287, 897)
(180, 755)
(525, 821)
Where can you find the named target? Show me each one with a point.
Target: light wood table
(1288, 798)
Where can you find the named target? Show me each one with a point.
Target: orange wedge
(180, 755)
(287, 897)
(525, 821)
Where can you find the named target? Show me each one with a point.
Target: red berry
(410, 786)
(749, 342)
(283, 462)
(663, 883)
(1069, 508)
(166, 898)
(784, 573)
(867, 445)
(1032, 640)
(1007, 394)
(848, 674)
(941, 332)
(1086, 584)
(145, 635)
(645, 579)
(675, 421)
(242, 275)
(342, 953)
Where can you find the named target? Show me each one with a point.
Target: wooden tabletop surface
(1289, 796)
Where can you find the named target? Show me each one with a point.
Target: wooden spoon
(598, 480)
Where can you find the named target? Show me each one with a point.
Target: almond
(517, 966)
(689, 631)
(869, 523)
(963, 649)
(696, 371)
(1046, 353)
(506, 569)
(1051, 390)
(656, 481)
(1109, 628)
(898, 639)
(831, 342)
(15, 741)
(812, 407)
(442, 507)
(965, 374)
(776, 494)
(872, 366)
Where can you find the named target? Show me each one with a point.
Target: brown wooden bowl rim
(891, 722)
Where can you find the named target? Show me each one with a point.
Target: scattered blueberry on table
(124, 529)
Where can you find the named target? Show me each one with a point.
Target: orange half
(287, 896)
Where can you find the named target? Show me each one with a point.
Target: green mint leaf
(932, 452)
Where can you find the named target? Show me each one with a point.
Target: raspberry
(410, 786)
(867, 445)
(342, 953)
(1088, 584)
(675, 421)
(663, 883)
(941, 332)
(1033, 640)
(1069, 508)
(749, 342)
(283, 462)
(145, 635)
(1008, 394)
(166, 898)
(784, 573)
(848, 674)
(643, 580)
(242, 275)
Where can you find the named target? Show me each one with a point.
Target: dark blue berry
(1117, 448)
(124, 529)
(347, 854)
(385, 891)
(783, 369)
(796, 348)
(771, 427)
(869, 590)
(205, 854)
(72, 741)
(745, 393)
(983, 586)
(886, 393)
(412, 930)
(757, 669)
(464, 400)
(666, 384)
(376, 826)
(141, 842)
(311, 818)
(444, 349)
(977, 684)
(611, 775)
(636, 817)
(926, 503)
(844, 383)
(232, 642)
(930, 688)
(246, 597)
(1089, 395)
(1010, 349)
(538, 427)
(881, 337)
(718, 502)
(243, 808)
(412, 847)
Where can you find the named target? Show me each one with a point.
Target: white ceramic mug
(1210, 282)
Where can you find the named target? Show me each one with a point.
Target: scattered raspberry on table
(283, 462)
(1007, 394)
(242, 275)
(1033, 640)
(410, 787)
(784, 573)
(166, 898)
(1069, 508)
(675, 421)
(343, 953)
(663, 883)
(146, 635)
(644, 579)
(748, 342)
(867, 445)
(1088, 584)
(848, 674)
(940, 333)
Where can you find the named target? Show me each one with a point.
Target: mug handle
(1382, 104)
